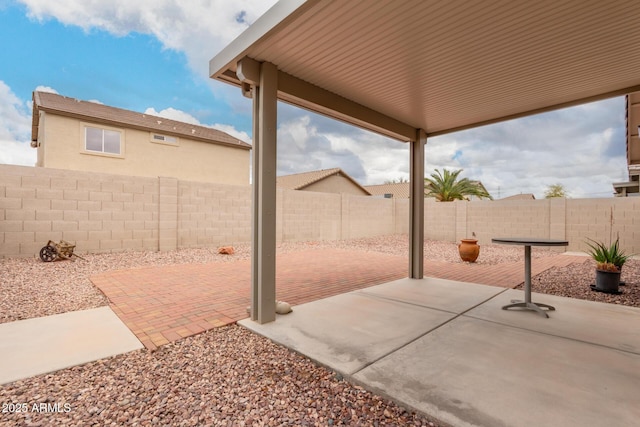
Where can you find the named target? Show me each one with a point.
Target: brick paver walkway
(165, 304)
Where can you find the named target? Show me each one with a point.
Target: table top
(529, 241)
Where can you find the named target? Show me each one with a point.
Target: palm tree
(446, 187)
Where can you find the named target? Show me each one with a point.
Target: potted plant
(609, 261)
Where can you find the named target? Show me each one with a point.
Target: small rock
(226, 250)
(283, 307)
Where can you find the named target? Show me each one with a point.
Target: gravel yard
(227, 376)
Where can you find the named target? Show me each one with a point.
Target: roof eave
(115, 123)
(270, 21)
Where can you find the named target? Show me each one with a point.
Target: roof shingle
(299, 181)
(399, 190)
(91, 111)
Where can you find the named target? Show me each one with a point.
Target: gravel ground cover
(227, 376)
(223, 377)
(574, 281)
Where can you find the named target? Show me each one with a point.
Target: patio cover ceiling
(395, 66)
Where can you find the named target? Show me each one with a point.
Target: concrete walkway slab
(46, 344)
(349, 331)
(470, 363)
(598, 323)
(440, 294)
(472, 372)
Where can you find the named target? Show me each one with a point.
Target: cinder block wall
(97, 212)
(212, 214)
(524, 218)
(401, 216)
(369, 216)
(309, 215)
(604, 220)
(440, 220)
(108, 213)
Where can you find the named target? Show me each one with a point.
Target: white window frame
(104, 130)
(161, 138)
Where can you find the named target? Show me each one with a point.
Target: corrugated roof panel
(446, 64)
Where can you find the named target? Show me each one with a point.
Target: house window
(100, 140)
(164, 139)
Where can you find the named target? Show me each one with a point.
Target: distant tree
(446, 187)
(396, 181)
(555, 190)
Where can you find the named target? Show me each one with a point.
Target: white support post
(255, 185)
(263, 239)
(416, 208)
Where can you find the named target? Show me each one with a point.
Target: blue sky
(152, 56)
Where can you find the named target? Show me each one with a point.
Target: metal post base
(534, 306)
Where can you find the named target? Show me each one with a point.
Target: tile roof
(526, 196)
(399, 190)
(299, 181)
(91, 111)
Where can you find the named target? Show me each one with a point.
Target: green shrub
(610, 258)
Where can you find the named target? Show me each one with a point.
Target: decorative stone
(226, 250)
(283, 307)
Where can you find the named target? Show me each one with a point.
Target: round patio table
(527, 242)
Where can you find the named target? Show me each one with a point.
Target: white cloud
(15, 129)
(46, 89)
(241, 135)
(302, 147)
(173, 114)
(181, 116)
(582, 148)
(200, 28)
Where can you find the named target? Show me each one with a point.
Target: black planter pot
(607, 281)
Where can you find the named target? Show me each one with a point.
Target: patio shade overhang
(395, 66)
(411, 69)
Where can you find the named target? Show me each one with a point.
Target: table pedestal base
(535, 306)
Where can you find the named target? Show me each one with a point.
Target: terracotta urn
(469, 249)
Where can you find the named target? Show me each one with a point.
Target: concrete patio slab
(470, 363)
(589, 321)
(350, 331)
(46, 344)
(440, 294)
(472, 372)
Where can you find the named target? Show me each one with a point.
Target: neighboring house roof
(527, 196)
(479, 184)
(398, 190)
(299, 181)
(94, 112)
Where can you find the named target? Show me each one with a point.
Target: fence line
(108, 213)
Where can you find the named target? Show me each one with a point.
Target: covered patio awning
(410, 69)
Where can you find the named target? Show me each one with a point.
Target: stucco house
(325, 181)
(632, 186)
(86, 136)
